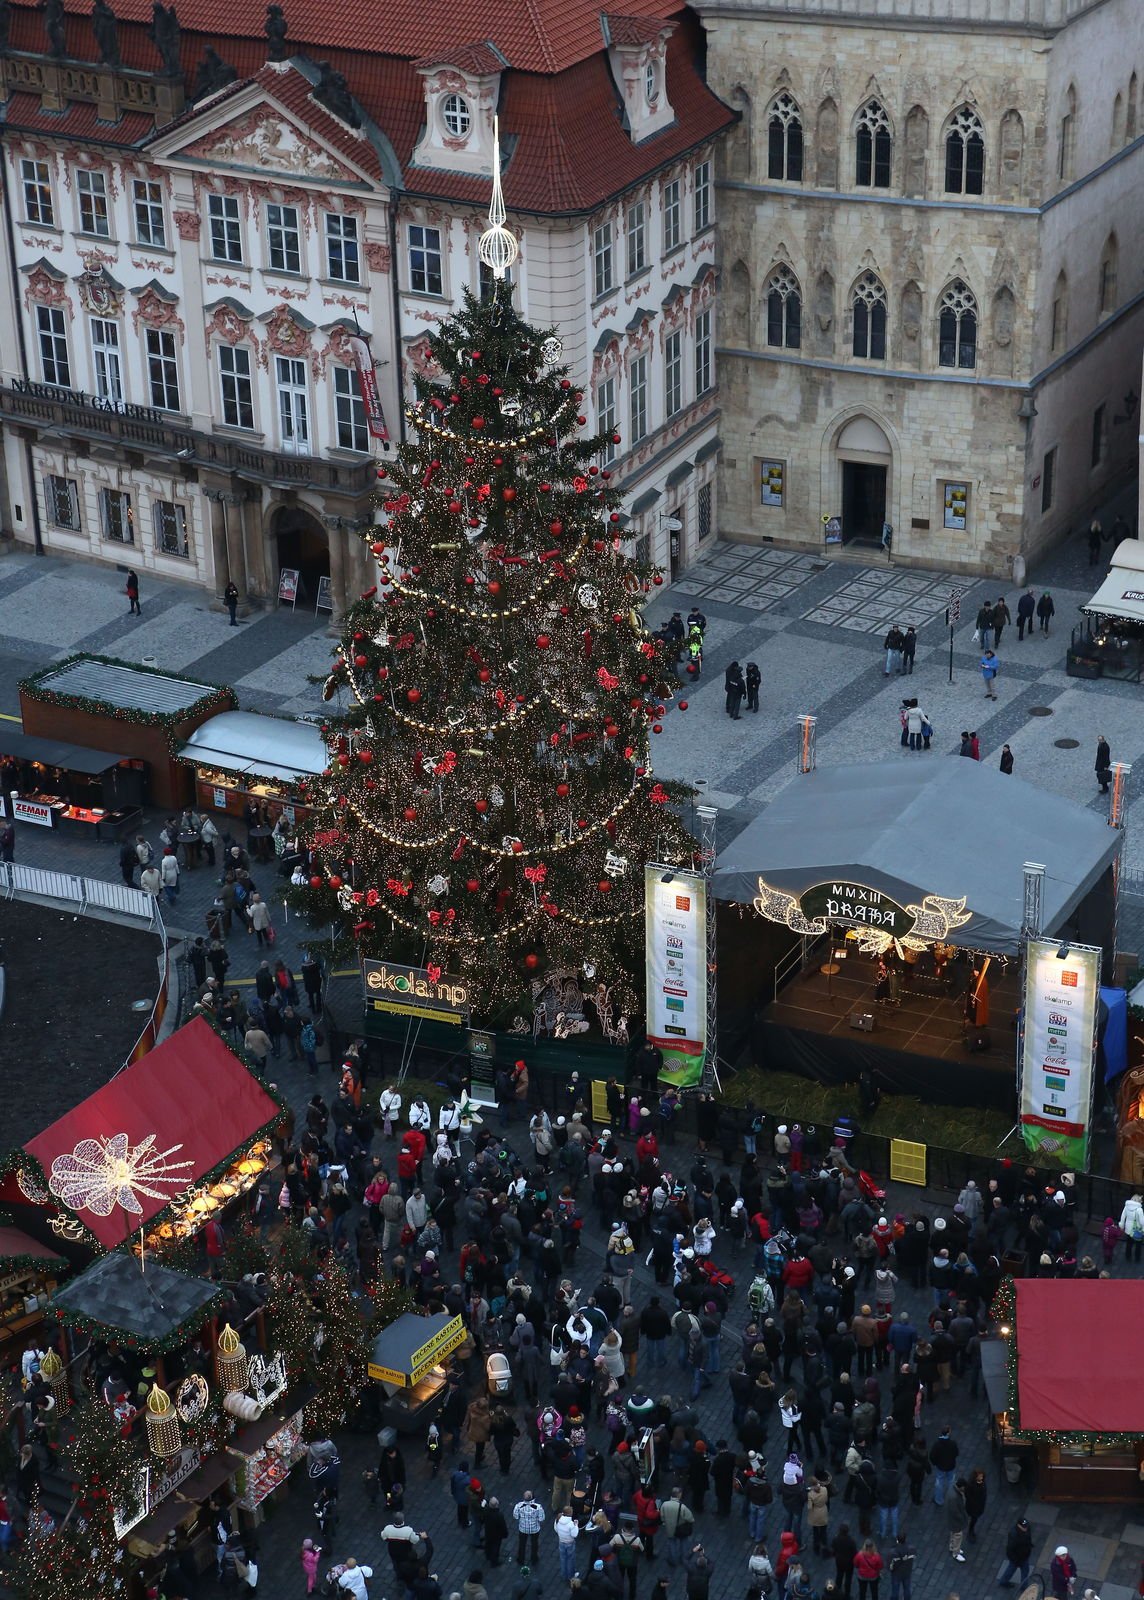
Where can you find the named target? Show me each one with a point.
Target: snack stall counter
(409, 1361)
(29, 1274)
(243, 756)
(1111, 642)
(51, 784)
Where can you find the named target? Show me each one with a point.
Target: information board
(325, 600)
(288, 586)
(1062, 990)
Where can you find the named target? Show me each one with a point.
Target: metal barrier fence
(18, 881)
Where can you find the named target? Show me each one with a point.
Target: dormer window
(456, 116)
(638, 59)
(651, 83)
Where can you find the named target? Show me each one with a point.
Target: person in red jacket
(788, 1549)
(868, 1569)
(406, 1170)
(647, 1148)
(647, 1518)
(798, 1273)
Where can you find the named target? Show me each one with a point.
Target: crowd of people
(839, 1453)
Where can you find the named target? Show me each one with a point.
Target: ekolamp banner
(1061, 996)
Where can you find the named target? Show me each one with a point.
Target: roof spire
(498, 248)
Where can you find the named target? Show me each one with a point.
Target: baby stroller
(498, 1375)
(717, 1277)
(870, 1191)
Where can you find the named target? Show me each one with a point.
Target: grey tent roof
(123, 684)
(915, 827)
(147, 1307)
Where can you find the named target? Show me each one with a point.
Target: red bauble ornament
(657, 727)
(382, 472)
(454, 506)
(615, 517)
(481, 805)
(581, 421)
(343, 761)
(361, 661)
(615, 438)
(563, 611)
(683, 705)
(315, 883)
(581, 822)
(494, 588)
(562, 790)
(604, 886)
(517, 847)
(508, 495)
(484, 675)
(566, 383)
(658, 579)
(366, 756)
(598, 546)
(413, 696)
(410, 814)
(545, 488)
(473, 885)
(335, 881)
(478, 422)
(556, 529)
(542, 641)
(532, 961)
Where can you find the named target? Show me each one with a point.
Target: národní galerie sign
(857, 903)
(425, 992)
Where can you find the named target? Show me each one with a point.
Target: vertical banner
(675, 931)
(367, 383)
(1059, 1049)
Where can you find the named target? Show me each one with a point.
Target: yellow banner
(444, 1340)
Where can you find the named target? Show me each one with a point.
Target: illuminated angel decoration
(100, 1174)
(933, 921)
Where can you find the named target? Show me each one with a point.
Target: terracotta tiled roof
(80, 122)
(630, 30)
(572, 151)
(482, 58)
(535, 35)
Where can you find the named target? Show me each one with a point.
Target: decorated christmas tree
(490, 800)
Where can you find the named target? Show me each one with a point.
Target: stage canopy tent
(1122, 592)
(266, 747)
(1054, 1389)
(115, 1300)
(55, 753)
(925, 826)
(192, 1094)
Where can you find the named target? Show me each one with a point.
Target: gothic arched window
(784, 140)
(957, 327)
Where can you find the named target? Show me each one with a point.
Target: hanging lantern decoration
(231, 1364)
(163, 1436)
(52, 1371)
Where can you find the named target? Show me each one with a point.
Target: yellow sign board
(908, 1162)
(387, 1375)
(600, 1112)
(425, 1012)
(443, 1343)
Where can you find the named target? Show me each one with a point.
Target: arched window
(965, 153)
(784, 140)
(957, 327)
(1059, 314)
(1118, 122)
(1109, 271)
(1130, 111)
(784, 310)
(870, 318)
(1066, 138)
(873, 147)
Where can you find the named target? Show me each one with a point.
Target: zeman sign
(859, 904)
(33, 811)
(415, 991)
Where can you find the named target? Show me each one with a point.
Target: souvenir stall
(1110, 642)
(50, 784)
(241, 756)
(410, 1361)
(102, 704)
(1087, 1432)
(29, 1273)
(190, 1115)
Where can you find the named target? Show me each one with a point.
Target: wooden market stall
(107, 705)
(51, 784)
(29, 1272)
(409, 1360)
(1069, 1394)
(239, 757)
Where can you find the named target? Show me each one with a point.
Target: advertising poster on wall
(675, 913)
(1061, 996)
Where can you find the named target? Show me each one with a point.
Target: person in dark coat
(754, 679)
(735, 689)
(134, 609)
(1026, 608)
(1046, 610)
(1103, 763)
(495, 1530)
(1006, 759)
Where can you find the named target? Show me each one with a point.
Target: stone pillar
(337, 539)
(232, 512)
(218, 544)
(259, 581)
(357, 568)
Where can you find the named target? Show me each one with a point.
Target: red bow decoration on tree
(395, 886)
(433, 972)
(658, 795)
(459, 851)
(605, 680)
(536, 874)
(437, 917)
(372, 897)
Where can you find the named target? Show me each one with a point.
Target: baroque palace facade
(199, 223)
(933, 269)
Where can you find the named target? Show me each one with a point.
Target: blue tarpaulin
(1115, 1037)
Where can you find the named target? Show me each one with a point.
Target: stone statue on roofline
(106, 31)
(54, 26)
(213, 74)
(333, 92)
(164, 33)
(279, 50)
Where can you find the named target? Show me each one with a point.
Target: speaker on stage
(863, 1020)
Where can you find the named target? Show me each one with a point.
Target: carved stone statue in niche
(739, 142)
(740, 284)
(824, 315)
(911, 321)
(1004, 324)
(826, 144)
(917, 143)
